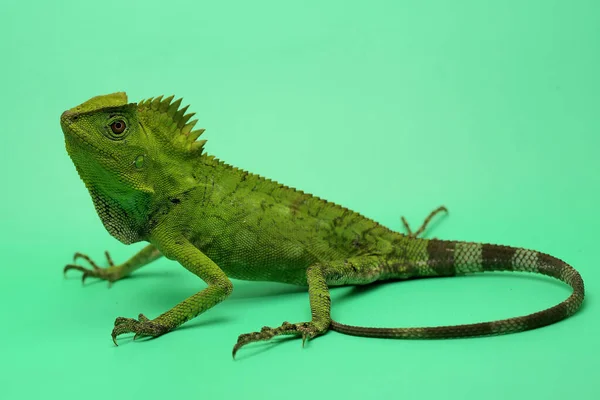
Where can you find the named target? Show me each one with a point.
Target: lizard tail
(452, 257)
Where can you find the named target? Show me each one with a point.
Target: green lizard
(150, 180)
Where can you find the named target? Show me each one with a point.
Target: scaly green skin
(150, 181)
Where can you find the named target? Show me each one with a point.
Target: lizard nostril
(68, 116)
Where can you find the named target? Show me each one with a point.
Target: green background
(390, 108)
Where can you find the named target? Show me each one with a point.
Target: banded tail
(467, 257)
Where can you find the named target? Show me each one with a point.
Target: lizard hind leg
(320, 305)
(358, 270)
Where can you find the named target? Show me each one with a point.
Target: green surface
(390, 108)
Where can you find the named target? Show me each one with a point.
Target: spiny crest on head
(178, 124)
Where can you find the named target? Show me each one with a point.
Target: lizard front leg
(219, 287)
(114, 272)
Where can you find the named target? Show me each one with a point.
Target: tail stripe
(440, 257)
(523, 259)
(468, 257)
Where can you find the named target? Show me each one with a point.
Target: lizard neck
(123, 216)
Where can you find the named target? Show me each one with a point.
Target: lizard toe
(140, 327)
(110, 274)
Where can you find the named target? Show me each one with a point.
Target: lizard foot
(110, 274)
(307, 330)
(423, 226)
(141, 327)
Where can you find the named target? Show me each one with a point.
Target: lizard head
(104, 138)
(131, 156)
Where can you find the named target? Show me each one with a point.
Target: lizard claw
(307, 330)
(140, 327)
(84, 276)
(304, 337)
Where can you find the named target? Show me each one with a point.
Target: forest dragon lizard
(150, 180)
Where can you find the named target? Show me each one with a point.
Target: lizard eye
(118, 127)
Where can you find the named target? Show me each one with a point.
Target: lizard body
(150, 180)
